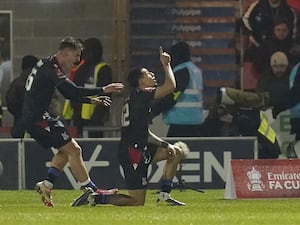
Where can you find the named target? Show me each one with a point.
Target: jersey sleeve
(55, 75)
(70, 91)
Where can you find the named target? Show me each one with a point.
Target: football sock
(166, 185)
(90, 184)
(53, 173)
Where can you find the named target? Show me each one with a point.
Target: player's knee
(76, 151)
(179, 153)
(182, 151)
(178, 156)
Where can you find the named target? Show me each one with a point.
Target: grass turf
(209, 208)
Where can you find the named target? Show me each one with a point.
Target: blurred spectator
(94, 72)
(5, 71)
(248, 121)
(276, 80)
(183, 109)
(283, 89)
(279, 41)
(15, 92)
(272, 90)
(224, 120)
(260, 17)
(295, 4)
(258, 23)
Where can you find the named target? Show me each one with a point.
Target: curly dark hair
(134, 76)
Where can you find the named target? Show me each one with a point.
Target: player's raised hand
(101, 100)
(113, 87)
(165, 58)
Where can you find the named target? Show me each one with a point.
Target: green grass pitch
(209, 208)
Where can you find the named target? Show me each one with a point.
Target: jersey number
(31, 76)
(125, 115)
(30, 79)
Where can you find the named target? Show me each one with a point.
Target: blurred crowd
(271, 49)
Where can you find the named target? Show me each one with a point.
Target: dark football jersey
(135, 116)
(39, 88)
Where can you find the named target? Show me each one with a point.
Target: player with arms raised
(139, 147)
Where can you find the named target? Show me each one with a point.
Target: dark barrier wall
(9, 165)
(100, 157)
(22, 164)
(205, 167)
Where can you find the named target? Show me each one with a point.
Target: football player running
(46, 76)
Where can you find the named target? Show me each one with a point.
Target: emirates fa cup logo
(255, 183)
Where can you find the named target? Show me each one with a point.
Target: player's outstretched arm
(101, 100)
(76, 93)
(113, 88)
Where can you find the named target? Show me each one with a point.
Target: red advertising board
(276, 178)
